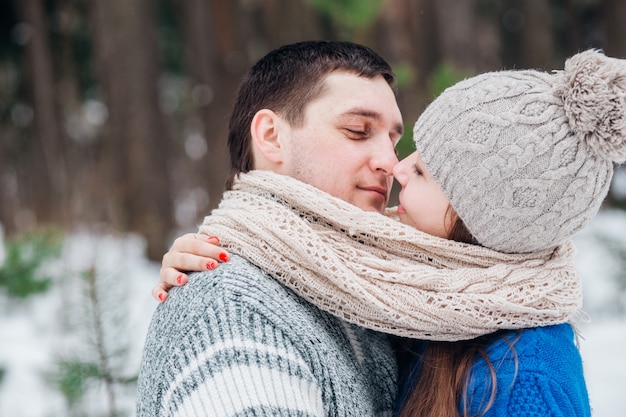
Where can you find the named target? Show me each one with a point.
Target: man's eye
(356, 134)
(417, 170)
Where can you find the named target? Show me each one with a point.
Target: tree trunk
(80, 135)
(49, 191)
(613, 16)
(528, 35)
(207, 89)
(457, 33)
(137, 144)
(537, 36)
(408, 40)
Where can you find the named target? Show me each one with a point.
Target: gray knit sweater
(234, 342)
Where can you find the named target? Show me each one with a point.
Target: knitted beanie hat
(526, 157)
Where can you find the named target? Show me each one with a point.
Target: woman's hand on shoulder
(189, 253)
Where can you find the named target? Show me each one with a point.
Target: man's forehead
(358, 103)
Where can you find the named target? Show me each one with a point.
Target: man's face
(345, 146)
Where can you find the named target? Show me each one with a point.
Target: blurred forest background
(113, 113)
(113, 118)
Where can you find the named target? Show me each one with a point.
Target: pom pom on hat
(526, 157)
(594, 97)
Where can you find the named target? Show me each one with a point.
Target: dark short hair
(286, 80)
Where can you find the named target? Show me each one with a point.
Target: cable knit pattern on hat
(375, 272)
(525, 157)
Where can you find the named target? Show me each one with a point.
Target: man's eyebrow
(362, 112)
(398, 128)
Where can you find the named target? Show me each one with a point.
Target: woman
(511, 164)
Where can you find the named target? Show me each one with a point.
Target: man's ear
(265, 130)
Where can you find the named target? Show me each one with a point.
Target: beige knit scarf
(371, 270)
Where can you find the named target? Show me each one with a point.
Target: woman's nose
(399, 173)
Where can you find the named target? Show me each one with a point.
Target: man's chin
(373, 207)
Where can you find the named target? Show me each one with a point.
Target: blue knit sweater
(546, 380)
(235, 342)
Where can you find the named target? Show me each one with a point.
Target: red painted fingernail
(223, 257)
(211, 265)
(179, 279)
(161, 297)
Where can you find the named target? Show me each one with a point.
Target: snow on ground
(35, 332)
(603, 338)
(604, 360)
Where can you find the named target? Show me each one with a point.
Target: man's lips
(376, 189)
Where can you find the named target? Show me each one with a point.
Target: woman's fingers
(190, 252)
(160, 291)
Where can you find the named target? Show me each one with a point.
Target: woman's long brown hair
(445, 366)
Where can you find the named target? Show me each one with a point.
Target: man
(236, 342)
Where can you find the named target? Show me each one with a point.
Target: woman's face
(422, 203)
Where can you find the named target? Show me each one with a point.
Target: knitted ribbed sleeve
(234, 342)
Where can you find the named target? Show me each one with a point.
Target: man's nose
(386, 159)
